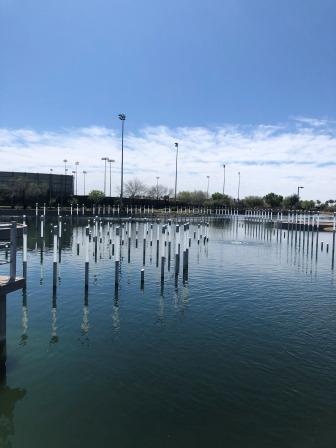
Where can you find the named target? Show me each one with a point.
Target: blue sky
(178, 62)
(221, 76)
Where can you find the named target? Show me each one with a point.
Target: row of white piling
(76, 209)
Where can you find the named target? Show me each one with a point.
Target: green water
(239, 353)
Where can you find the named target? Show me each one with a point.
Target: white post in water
(87, 246)
(36, 209)
(55, 257)
(157, 235)
(83, 210)
(12, 275)
(177, 254)
(24, 247)
(44, 209)
(70, 209)
(42, 226)
(117, 256)
(60, 226)
(144, 244)
(77, 210)
(163, 252)
(185, 247)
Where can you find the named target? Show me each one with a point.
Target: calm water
(241, 354)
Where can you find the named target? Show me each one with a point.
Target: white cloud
(270, 158)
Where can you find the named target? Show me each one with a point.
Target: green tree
(217, 196)
(196, 197)
(96, 196)
(253, 201)
(273, 200)
(291, 201)
(307, 205)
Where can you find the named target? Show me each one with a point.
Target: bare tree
(135, 187)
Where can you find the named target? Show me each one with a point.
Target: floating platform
(7, 285)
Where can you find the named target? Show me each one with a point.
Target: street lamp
(299, 188)
(238, 184)
(76, 163)
(208, 177)
(122, 117)
(223, 178)
(105, 159)
(85, 173)
(110, 161)
(157, 187)
(176, 146)
(65, 168)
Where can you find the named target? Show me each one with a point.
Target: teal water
(242, 353)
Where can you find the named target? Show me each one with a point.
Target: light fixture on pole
(105, 159)
(65, 167)
(157, 187)
(224, 179)
(238, 185)
(76, 163)
(122, 117)
(299, 188)
(85, 173)
(110, 161)
(176, 146)
(208, 177)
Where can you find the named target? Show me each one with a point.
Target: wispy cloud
(270, 158)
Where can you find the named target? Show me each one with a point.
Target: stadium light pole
(224, 179)
(84, 173)
(238, 185)
(208, 177)
(76, 163)
(105, 159)
(110, 161)
(122, 117)
(176, 146)
(65, 167)
(157, 187)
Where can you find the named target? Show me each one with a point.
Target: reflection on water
(9, 397)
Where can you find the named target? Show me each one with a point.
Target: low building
(24, 187)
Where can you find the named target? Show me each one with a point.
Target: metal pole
(224, 180)
(110, 162)
(176, 146)
(122, 117)
(238, 183)
(105, 178)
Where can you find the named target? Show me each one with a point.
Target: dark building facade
(27, 186)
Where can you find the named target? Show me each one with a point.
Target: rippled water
(240, 354)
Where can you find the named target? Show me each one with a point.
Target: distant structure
(23, 187)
